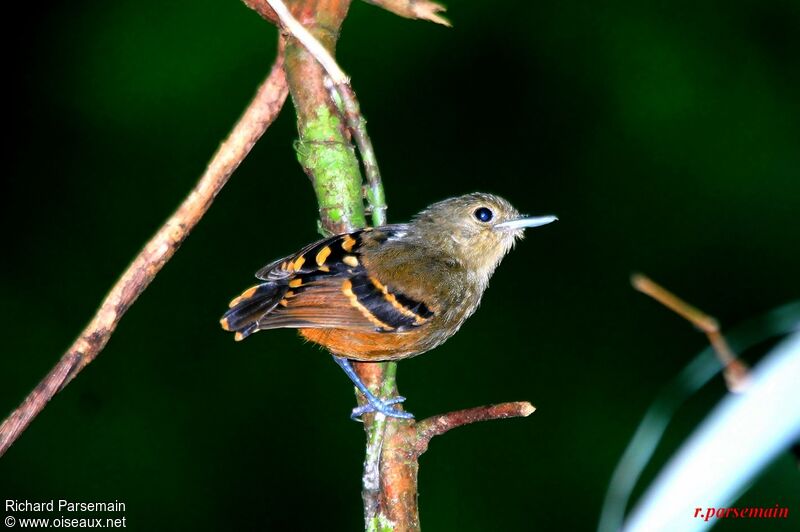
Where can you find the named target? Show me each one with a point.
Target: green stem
(323, 149)
(327, 156)
(358, 127)
(331, 163)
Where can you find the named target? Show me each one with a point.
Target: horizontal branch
(437, 425)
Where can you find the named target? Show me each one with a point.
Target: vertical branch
(389, 482)
(323, 150)
(378, 376)
(342, 94)
(358, 126)
(328, 158)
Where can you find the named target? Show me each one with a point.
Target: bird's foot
(384, 406)
(374, 404)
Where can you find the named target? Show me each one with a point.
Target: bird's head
(476, 229)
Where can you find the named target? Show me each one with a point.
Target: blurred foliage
(664, 136)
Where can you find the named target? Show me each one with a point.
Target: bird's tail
(248, 308)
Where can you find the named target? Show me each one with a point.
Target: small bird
(389, 292)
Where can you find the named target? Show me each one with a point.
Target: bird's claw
(384, 407)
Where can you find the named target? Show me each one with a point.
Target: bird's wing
(326, 285)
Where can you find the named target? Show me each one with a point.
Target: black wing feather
(322, 264)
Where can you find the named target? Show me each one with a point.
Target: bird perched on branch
(389, 292)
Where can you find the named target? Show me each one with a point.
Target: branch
(335, 179)
(323, 149)
(162, 246)
(311, 44)
(325, 152)
(389, 481)
(340, 83)
(438, 425)
(735, 371)
(404, 443)
(358, 127)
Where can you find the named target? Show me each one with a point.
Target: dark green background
(666, 137)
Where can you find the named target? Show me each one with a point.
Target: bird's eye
(483, 214)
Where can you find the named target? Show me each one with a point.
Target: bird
(385, 293)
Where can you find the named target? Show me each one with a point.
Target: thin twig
(357, 125)
(437, 425)
(735, 372)
(352, 111)
(697, 317)
(162, 246)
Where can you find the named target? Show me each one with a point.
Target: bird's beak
(522, 223)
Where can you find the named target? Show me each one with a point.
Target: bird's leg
(374, 404)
